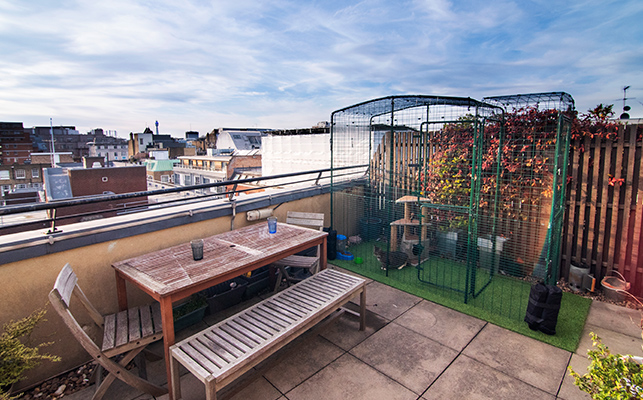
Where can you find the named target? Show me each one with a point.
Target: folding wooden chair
(127, 333)
(311, 263)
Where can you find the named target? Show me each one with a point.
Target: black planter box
(258, 281)
(188, 319)
(223, 295)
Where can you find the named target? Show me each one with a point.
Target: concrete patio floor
(412, 349)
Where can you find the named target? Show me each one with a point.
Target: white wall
(294, 153)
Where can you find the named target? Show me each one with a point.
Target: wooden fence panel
(604, 218)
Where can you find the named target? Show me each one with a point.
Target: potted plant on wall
(17, 355)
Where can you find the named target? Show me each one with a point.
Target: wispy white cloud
(199, 64)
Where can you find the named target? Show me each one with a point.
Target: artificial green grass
(503, 302)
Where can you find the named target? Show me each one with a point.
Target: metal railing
(230, 189)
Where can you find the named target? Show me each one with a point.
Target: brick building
(15, 144)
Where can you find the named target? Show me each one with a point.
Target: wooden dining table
(171, 274)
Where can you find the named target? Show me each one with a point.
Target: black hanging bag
(543, 308)
(550, 312)
(536, 305)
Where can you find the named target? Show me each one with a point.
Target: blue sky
(199, 65)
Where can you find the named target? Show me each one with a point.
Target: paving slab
(310, 356)
(259, 389)
(616, 342)
(345, 332)
(467, 378)
(615, 318)
(349, 378)
(441, 324)
(409, 358)
(536, 363)
(569, 391)
(368, 280)
(388, 302)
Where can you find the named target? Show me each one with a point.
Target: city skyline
(199, 65)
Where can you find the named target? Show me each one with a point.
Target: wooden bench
(223, 352)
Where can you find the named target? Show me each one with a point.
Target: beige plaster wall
(27, 283)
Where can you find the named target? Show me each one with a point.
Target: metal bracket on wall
(53, 223)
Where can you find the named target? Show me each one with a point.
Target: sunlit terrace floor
(411, 349)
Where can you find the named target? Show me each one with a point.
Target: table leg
(362, 309)
(167, 320)
(121, 292)
(323, 255)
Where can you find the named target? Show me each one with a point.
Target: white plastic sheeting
(295, 153)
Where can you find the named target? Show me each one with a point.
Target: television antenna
(626, 108)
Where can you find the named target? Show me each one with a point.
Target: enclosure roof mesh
(560, 101)
(396, 103)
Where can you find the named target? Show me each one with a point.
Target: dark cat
(394, 259)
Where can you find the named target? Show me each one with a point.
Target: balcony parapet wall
(30, 261)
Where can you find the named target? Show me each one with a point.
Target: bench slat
(315, 302)
(286, 302)
(230, 330)
(192, 349)
(266, 321)
(246, 332)
(195, 368)
(287, 308)
(283, 311)
(267, 318)
(299, 301)
(270, 313)
(334, 283)
(254, 326)
(202, 345)
(252, 329)
(221, 356)
(252, 335)
(226, 344)
(260, 323)
(321, 297)
(324, 288)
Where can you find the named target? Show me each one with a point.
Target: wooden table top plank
(173, 269)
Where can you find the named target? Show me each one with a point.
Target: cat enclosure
(462, 199)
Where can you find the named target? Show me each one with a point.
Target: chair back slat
(306, 219)
(65, 283)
